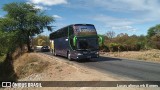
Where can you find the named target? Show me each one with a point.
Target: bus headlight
(97, 52)
(79, 54)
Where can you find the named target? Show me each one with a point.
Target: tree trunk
(8, 73)
(21, 47)
(28, 44)
(9, 58)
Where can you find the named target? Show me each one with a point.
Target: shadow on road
(100, 59)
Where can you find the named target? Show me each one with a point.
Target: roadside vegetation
(29, 64)
(21, 22)
(124, 42)
(143, 47)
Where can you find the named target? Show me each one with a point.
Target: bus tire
(69, 56)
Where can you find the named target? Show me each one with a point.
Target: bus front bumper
(88, 56)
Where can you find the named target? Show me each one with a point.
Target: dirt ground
(149, 55)
(61, 70)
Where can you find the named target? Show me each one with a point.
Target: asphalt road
(128, 68)
(134, 69)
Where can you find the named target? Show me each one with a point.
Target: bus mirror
(101, 40)
(74, 41)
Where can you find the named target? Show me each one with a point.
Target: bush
(114, 47)
(106, 49)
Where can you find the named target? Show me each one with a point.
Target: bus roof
(68, 26)
(72, 25)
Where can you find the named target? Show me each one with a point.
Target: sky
(120, 16)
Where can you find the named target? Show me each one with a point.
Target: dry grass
(29, 64)
(149, 55)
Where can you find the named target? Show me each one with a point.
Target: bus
(76, 41)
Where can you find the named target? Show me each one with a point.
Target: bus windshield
(87, 44)
(84, 30)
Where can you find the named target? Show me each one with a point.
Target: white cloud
(131, 12)
(137, 5)
(142, 8)
(49, 2)
(41, 7)
(112, 20)
(128, 28)
(116, 23)
(139, 8)
(57, 16)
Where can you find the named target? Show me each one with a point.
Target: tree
(8, 38)
(121, 38)
(154, 36)
(151, 32)
(154, 31)
(29, 21)
(110, 34)
(8, 44)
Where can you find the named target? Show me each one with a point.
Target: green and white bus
(76, 41)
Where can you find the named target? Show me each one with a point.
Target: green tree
(21, 22)
(121, 38)
(154, 36)
(154, 31)
(8, 45)
(8, 38)
(29, 21)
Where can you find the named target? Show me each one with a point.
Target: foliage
(154, 31)
(41, 40)
(114, 47)
(124, 42)
(21, 22)
(7, 46)
(26, 19)
(154, 36)
(110, 34)
(8, 41)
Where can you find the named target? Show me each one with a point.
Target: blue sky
(120, 16)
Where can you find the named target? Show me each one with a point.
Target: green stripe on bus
(74, 41)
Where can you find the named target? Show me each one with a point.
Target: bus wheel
(69, 55)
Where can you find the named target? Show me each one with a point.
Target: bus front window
(87, 43)
(82, 44)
